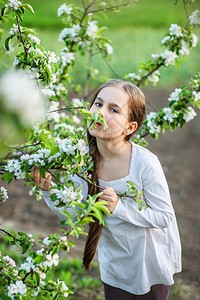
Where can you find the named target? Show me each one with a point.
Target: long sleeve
(159, 212)
(58, 210)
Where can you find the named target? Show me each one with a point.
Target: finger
(47, 183)
(105, 197)
(107, 192)
(33, 172)
(47, 174)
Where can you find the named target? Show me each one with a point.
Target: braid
(95, 229)
(136, 113)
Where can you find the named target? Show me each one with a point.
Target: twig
(67, 108)
(6, 232)
(107, 62)
(21, 38)
(86, 11)
(109, 8)
(149, 73)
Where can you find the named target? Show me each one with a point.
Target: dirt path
(179, 155)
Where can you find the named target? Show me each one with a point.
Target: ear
(131, 127)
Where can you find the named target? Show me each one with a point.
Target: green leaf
(101, 30)
(67, 214)
(85, 221)
(42, 172)
(104, 209)
(36, 278)
(7, 176)
(98, 214)
(38, 259)
(4, 297)
(24, 248)
(55, 250)
(29, 7)
(7, 41)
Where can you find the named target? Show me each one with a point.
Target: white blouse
(137, 249)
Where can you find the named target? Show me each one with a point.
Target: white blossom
(195, 18)
(169, 57)
(51, 57)
(154, 77)
(60, 88)
(14, 166)
(53, 114)
(67, 146)
(22, 96)
(184, 48)
(153, 127)
(48, 92)
(165, 39)
(9, 260)
(64, 9)
(14, 4)
(174, 96)
(67, 194)
(40, 251)
(81, 146)
(16, 61)
(76, 120)
(28, 265)
(64, 126)
(14, 29)
(64, 240)
(77, 102)
(34, 38)
(67, 57)
(47, 241)
(134, 76)
(3, 194)
(169, 115)
(190, 114)
(196, 96)
(51, 260)
(109, 48)
(175, 30)
(36, 158)
(41, 274)
(70, 32)
(155, 56)
(33, 73)
(92, 29)
(17, 288)
(62, 286)
(194, 39)
(35, 293)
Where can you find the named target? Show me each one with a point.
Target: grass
(135, 32)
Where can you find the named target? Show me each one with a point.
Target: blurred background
(135, 33)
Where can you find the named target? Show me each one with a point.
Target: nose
(102, 111)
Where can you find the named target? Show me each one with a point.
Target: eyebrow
(111, 104)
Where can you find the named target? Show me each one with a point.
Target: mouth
(97, 124)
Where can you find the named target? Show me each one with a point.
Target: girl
(138, 251)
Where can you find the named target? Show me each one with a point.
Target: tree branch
(149, 73)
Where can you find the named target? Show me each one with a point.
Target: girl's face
(112, 104)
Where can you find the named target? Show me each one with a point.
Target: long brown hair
(136, 113)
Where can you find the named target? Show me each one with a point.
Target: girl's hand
(42, 183)
(111, 197)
